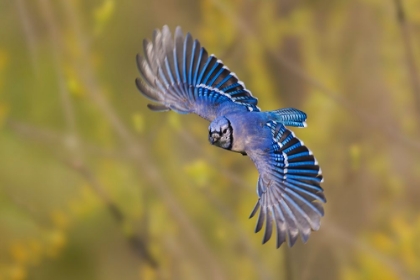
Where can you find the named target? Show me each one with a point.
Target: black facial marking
(231, 135)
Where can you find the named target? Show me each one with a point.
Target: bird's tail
(289, 117)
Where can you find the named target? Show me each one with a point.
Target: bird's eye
(224, 130)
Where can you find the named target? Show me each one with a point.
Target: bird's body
(179, 75)
(249, 124)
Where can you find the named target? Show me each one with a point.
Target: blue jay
(178, 74)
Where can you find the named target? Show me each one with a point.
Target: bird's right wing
(288, 187)
(179, 75)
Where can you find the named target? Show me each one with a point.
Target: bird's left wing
(289, 188)
(179, 75)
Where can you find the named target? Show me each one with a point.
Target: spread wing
(179, 75)
(288, 187)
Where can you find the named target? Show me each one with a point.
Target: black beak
(213, 138)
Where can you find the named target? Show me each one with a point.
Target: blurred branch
(87, 75)
(56, 49)
(50, 139)
(288, 266)
(226, 213)
(364, 117)
(36, 217)
(409, 55)
(75, 153)
(136, 242)
(31, 132)
(29, 34)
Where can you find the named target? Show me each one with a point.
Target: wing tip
(139, 59)
(158, 108)
(287, 219)
(292, 238)
(137, 81)
(165, 28)
(254, 211)
(144, 90)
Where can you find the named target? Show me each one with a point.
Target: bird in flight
(178, 74)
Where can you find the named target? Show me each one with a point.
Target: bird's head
(220, 133)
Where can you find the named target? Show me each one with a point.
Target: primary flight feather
(178, 74)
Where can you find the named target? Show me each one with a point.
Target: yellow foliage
(36, 250)
(147, 272)
(74, 86)
(409, 124)
(348, 273)
(379, 165)
(4, 111)
(19, 252)
(398, 246)
(214, 19)
(199, 170)
(4, 59)
(138, 122)
(60, 219)
(299, 20)
(73, 82)
(17, 272)
(369, 268)
(174, 121)
(407, 235)
(220, 233)
(352, 68)
(56, 241)
(375, 269)
(396, 185)
(412, 9)
(85, 203)
(259, 79)
(383, 241)
(127, 228)
(102, 15)
(355, 155)
(273, 27)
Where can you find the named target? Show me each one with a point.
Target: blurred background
(95, 186)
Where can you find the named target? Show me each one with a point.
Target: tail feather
(289, 117)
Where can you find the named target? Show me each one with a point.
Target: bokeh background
(95, 186)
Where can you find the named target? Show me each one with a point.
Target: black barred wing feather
(290, 195)
(178, 74)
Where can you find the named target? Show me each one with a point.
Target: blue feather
(178, 74)
(216, 76)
